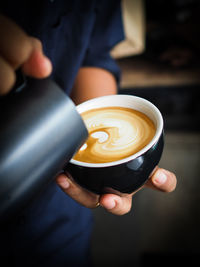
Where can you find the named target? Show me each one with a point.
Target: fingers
(112, 203)
(7, 76)
(17, 49)
(116, 204)
(162, 180)
(37, 65)
(76, 192)
(14, 43)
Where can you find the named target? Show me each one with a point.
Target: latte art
(114, 133)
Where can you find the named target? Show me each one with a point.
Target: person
(69, 41)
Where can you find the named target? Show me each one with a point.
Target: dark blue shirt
(54, 230)
(74, 33)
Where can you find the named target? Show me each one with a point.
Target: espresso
(114, 133)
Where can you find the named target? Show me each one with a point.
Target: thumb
(162, 180)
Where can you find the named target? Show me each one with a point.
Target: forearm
(93, 82)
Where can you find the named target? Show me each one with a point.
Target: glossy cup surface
(125, 175)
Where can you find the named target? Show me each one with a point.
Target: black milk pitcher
(40, 130)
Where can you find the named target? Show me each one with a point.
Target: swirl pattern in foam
(114, 133)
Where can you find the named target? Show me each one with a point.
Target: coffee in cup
(114, 133)
(109, 161)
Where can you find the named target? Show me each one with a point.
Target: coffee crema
(114, 133)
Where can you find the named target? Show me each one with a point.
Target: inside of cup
(126, 101)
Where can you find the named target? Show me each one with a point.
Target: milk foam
(114, 133)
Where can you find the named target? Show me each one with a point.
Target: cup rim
(91, 104)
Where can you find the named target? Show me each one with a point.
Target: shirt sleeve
(107, 32)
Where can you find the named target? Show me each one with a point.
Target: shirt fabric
(55, 230)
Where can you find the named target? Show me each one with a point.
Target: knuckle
(20, 53)
(23, 51)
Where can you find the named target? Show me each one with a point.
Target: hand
(17, 49)
(161, 180)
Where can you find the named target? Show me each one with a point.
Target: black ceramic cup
(40, 130)
(125, 175)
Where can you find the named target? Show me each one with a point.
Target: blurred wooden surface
(138, 72)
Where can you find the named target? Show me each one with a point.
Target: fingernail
(65, 184)
(48, 65)
(160, 178)
(111, 205)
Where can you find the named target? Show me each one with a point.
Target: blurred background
(160, 61)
